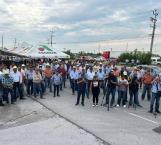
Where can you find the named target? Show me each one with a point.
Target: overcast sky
(80, 24)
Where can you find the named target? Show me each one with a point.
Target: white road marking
(142, 117)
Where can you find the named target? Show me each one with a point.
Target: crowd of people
(35, 79)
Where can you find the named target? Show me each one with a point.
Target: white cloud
(120, 15)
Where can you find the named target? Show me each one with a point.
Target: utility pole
(99, 48)
(2, 42)
(51, 37)
(127, 46)
(153, 20)
(15, 42)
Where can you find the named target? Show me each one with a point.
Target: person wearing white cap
(7, 83)
(37, 78)
(1, 89)
(90, 75)
(48, 72)
(122, 87)
(74, 77)
(17, 80)
(101, 77)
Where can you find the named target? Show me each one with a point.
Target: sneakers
(139, 106)
(1, 104)
(158, 111)
(93, 105)
(150, 111)
(117, 105)
(124, 106)
(96, 105)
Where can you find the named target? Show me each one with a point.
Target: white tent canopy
(43, 51)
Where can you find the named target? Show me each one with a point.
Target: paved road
(29, 123)
(119, 126)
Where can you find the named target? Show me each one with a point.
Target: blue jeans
(1, 94)
(73, 85)
(48, 83)
(133, 97)
(121, 97)
(6, 92)
(37, 89)
(111, 91)
(146, 88)
(63, 82)
(30, 87)
(155, 98)
(102, 83)
(79, 94)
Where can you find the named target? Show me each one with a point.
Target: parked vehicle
(155, 70)
(156, 60)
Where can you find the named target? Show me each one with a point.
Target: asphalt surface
(119, 126)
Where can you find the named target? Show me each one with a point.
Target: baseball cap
(14, 67)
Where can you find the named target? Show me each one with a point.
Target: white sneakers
(119, 105)
(95, 105)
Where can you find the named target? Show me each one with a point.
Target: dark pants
(1, 95)
(56, 90)
(146, 88)
(102, 84)
(155, 98)
(88, 87)
(30, 87)
(43, 87)
(80, 93)
(37, 89)
(63, 82)
(48, 83)
(16, 86)
(111, 91)
(95, 96)
(133, 97)
(73, 85)
(121, 97)
(6, 92)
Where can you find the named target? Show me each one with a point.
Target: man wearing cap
(90, 75)
(74, 77)
(56, 81)
(29, 77)
(7, 83)
(147, 80)
(156, 94)
(1, 88)
(48, 74)
(16, 86)
(111, 88)
(63, 73)
(101, 77)
(37, 78)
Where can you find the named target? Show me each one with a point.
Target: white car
(156, 60)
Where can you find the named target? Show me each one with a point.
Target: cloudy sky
(89, 25)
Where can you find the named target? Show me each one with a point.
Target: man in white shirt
(17, 78)
(90, 75)
(74, 77)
